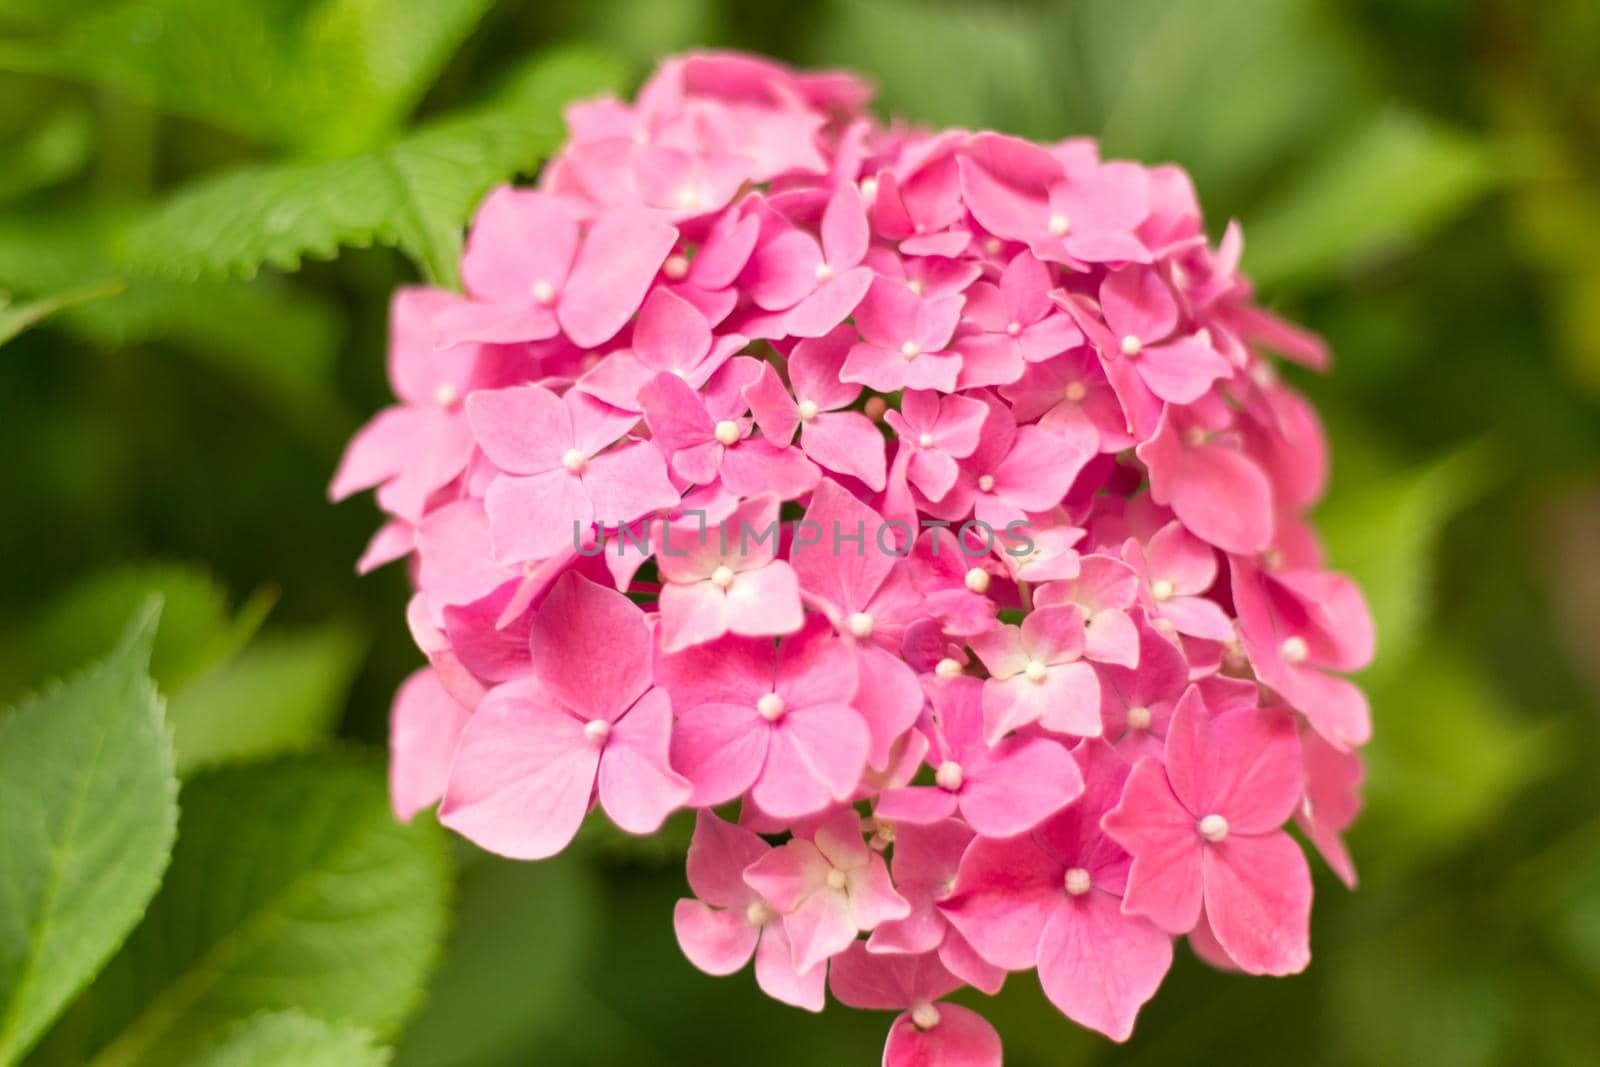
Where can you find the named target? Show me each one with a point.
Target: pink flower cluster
(926, 493)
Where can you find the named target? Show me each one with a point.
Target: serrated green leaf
(269, 336)
(321, 75)
(87, 815)
(1375, 193)
(415, 194)
(292, 1039)
(292, 887)
(197, 629)
(17, 317)
(284, 692)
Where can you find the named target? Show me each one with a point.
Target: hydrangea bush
(920, 507)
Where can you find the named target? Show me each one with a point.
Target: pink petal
(638, 787)
(424, 725)
(619, 259)
(816, 756)
(1258, 896)
(521, 779)
(962, 1038)
(592, 648)
(1100, 966)
(523, 430)
(1004, 895)
(718, 854)
(519, 237)
(776, 974)
(847, 442)
(718, 941)
(537, 517)
(721, 749)
(829, 304)
(1164, 882)
(1028, 780)
(671, 335)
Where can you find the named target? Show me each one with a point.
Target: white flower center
(1077, 881)
(1013, 327)
(986, 482)
(1076, 391)
(808, 410)
(757, 913)
(1294, 650)
(1214, 828)
(925, 440)
(948, 668)
(1131, 346)
(924, 1016)
(1059, 225)
(574, 460)
(542, 291)
(445, 395)
(597, 730)
(823, 272)
(977, 580)
(837, 879)
(911, 350)
(727, 432)
(676, 267)
(771, 707)
(1162, 589)
(992, 245)
(1036, 671)
(869, 189)
(1139, 718)
(861, 624)
(948, 776)
(915, 285)
(722, 577)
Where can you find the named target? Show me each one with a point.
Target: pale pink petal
(591, 646)
(777, 977)
(619, 258)
(718, 941)
(521, 779)
(424, 725)
(1028, 780)
(638, 787)
(1164, 882)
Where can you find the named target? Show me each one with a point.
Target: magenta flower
(773, 720)
(818, 287)
(839, 440)
(1000, 790)
(533, 277)
(727, 579)
(728, 922)
(926, 1033)
(904, 340)
(1053, 899)
(586, 722)
(1037, 674)
(828, 886)
(1206, 828)
(560, 474)
(778, 456)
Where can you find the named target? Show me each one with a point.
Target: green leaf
(50, 152)
(322, 75)
(292, 1039)
(416, 193)
(1384, 531)
(15, 318)
(284, 692)
(507, 976)
(1374, 194)
(87, 814)
(271, 337)
(197, 630)
(292, 886)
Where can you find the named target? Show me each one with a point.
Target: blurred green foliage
(195, 199)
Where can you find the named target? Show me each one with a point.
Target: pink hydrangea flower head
(929, 498)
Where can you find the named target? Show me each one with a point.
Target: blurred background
(1419, 180)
